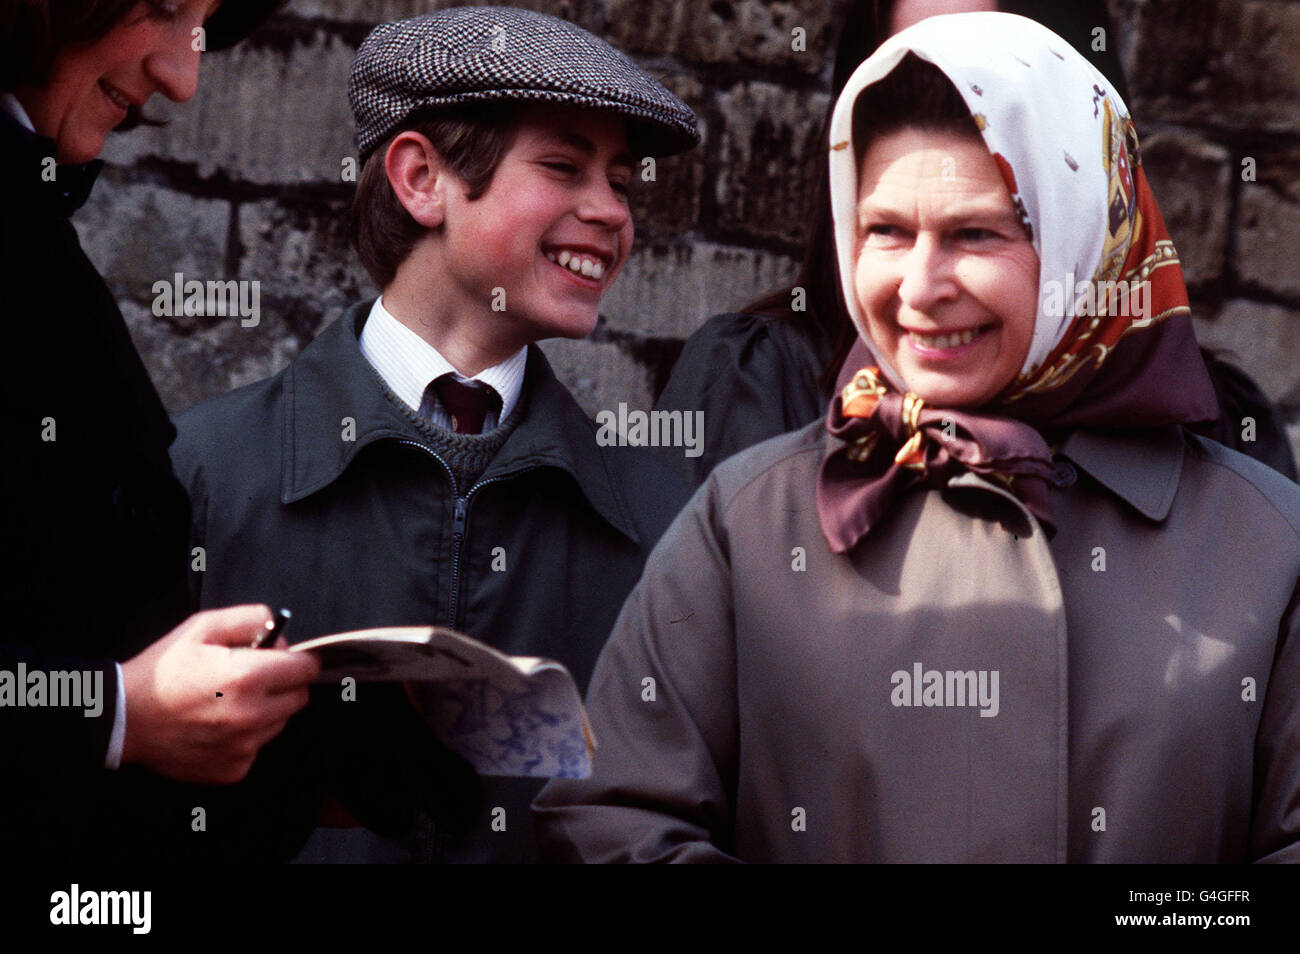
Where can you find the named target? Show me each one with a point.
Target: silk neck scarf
(1068, 154)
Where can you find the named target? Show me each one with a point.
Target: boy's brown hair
(470, 140)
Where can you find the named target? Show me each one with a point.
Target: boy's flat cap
(501, 54)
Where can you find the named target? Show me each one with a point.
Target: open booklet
(505, 715)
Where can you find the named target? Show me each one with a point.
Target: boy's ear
(419, 177)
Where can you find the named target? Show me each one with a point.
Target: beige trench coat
(958, 687)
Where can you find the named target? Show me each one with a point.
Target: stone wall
(247, 181)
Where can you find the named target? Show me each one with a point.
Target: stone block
(1191, 181)
(262, 114)
(769, 148)
(599, 374)
(140, 233)
(190, 368)
(1229, 63)
(1261, 340)
(759, 32)
(381, 11)
(668, 292)
(1268, 237)
(300, 252)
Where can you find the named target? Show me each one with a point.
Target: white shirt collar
(408, 363)
(9, 102)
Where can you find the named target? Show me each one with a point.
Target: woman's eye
(881, 233)
(622, 188)
(558, 165)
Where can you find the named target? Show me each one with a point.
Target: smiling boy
(560, 190)
(419, 462)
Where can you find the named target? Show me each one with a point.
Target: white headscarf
(1010, 72)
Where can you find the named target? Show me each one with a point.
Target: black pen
(273, 629)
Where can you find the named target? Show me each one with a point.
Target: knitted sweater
(468, 455)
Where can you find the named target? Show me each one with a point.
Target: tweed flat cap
(501, 54)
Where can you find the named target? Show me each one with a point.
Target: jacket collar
(1141, 469)
(332, 381)
(24, 156)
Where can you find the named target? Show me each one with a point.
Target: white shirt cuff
(113, 760)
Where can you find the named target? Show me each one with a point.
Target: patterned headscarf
(1068, 154)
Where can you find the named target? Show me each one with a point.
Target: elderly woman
(772, 367)
(95, 522)
(1000, 606)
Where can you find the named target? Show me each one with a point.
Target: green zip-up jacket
(313, 490)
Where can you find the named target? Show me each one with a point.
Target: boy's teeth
(590, 267)
(943, 342)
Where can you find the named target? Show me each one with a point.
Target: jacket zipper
(460, 516)
(457, 545)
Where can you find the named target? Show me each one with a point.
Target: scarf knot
(893, 442)
(862, 397)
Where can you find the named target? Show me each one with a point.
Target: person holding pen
(109, 696)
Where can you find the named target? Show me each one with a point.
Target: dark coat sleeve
(664, 716)
(93, 519)
(94, 528)
(1240, 398)
(57, 738)
(753, 376)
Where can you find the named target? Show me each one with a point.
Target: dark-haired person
(1000, 605)
(770, 369)
(106, 688)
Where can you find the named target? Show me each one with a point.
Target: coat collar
(1141, 469)
(25, 154)
(332, 380)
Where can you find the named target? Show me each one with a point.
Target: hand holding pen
(274, 626)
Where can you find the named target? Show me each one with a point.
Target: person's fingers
(274, 671)
(282, 705)
(232, 626)
(274, 719)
